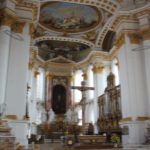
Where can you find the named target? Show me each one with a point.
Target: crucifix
(83, 88)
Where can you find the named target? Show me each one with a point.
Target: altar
(91, 139)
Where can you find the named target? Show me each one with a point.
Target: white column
(99, 89)
(133, 92)
(4, 56)
(17, 73)
(144, 29)
(33, 109)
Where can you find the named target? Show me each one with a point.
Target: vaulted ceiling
(72, 29)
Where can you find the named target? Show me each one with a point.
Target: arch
(59, 99)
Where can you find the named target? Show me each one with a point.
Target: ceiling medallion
(69, 17)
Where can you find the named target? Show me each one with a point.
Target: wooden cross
(83, 88)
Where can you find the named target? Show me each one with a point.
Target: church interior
(74, 74)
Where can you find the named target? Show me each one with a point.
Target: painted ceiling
(50, 49)
(69, 17)
(72, 30)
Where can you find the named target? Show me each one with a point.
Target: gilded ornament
(120, 40)
(7, 18)
(97, 69)
(134, 38)
(126, 119)
(85, 76)
(36, 73)
(49, 77)
(143, 118)
(31, 30)
(145, 33)
(30, 65)
(17, 27)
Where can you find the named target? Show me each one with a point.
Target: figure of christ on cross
(83, 88)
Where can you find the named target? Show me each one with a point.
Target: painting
(50, 49)
(69, 17)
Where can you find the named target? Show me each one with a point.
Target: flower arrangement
(115, 139)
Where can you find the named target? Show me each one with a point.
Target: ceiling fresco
(69, 17)
(73, 51)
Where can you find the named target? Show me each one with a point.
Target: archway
(59, 99)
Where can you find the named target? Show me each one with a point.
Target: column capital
(70, 78)
(135, 38)
(97, 69)
(30, 65)
(18, 26)
(85, 76)
(36, 73)
(145, 32)
(7, 17)
(49, 76)
(120, 40)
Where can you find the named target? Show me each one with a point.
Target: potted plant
(115, 139)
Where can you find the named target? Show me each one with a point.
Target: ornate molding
(97, 69)
(145, 33)
(7, 17)
(142, 118)
(30, 65)
(135, 38)
(49, 76)
(128, 119)
(120, 40)
(85, 76)
(36, 73)
(17, 27)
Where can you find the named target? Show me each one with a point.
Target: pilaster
(17, 73)
(133, 89)
(97, 74)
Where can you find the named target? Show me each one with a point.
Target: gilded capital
(7, 18)
(17, 27)
(70, 78)
(85, 76)
(36, 73)
(48, 76)
(120, 40)
(97, 69)
(30, 65)
(134, 38)
(145, 33)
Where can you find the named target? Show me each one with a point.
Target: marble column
(5, 29)
(145, 34)
(17, 70)
(4, 56)
(99, 89)
(133, 90)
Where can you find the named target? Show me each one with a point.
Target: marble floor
(59, 146)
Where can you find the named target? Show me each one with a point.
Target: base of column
(134, 133)
(20, 131)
